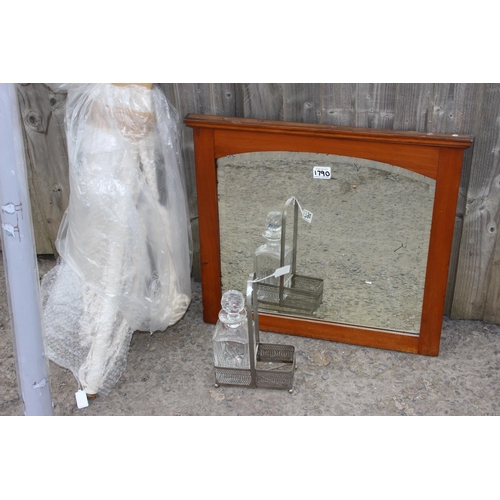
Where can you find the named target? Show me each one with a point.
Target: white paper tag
(81, 399)
(322, 173)
(281, 271)
(307, 216)
(9, 229)
(10, 208)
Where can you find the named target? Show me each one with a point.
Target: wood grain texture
(311, 130)
(261, 100)
(338, 104)
(206, 177)
(302, 102)
(42, 115)
(375, 105)
(479, 236)
(492, 309)
(411, 106)
(340, 333)
(447, 186)
(412, 157)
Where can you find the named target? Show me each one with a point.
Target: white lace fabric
(125, 242)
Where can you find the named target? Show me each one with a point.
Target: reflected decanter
(267, 259)
(230, 340)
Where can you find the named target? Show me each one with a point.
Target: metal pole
(19, 256)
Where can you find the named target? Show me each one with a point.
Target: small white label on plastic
(40, 385)
(9, 229)
(281, 271)
(10, 208)
(307, 216)
(322, 173)
(81, 399)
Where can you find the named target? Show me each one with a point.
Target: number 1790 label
(322, 173)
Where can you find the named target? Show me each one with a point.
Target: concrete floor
(171, 373)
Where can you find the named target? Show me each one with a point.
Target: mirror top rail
(461, 141)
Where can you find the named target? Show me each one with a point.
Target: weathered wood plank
(375, 105)
(479, 227)
(302, 102)
(453, 107)
(411, 106)
(42, 116)
(492, 306)
(223, 98)
(261, 100)
(338, 104)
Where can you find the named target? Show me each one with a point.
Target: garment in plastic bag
(124, 242)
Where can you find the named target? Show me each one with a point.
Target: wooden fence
(468, 108)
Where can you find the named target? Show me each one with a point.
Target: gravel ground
(171, 374)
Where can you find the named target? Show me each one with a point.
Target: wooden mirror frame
(438, 156)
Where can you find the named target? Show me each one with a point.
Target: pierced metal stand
(305, 293)
(272, 366)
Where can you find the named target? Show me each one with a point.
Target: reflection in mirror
(367, 239)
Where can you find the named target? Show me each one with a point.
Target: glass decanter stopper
(267, 260)
(230, 340)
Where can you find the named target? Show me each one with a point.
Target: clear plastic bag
(125, 240)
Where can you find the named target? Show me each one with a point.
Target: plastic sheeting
(124, 242)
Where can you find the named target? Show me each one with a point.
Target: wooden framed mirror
(408, 183)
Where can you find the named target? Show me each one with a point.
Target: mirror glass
(367, 239)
